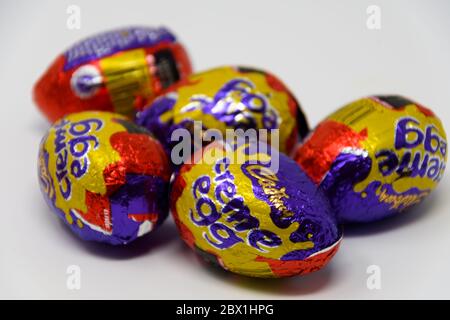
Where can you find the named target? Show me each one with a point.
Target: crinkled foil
(375, 157)
(228, 98)
(251, 217)
(106, 177)
(119, 71)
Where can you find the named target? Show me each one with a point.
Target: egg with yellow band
(376, 157)
(227, 98)
(106, 177)
(251, 210)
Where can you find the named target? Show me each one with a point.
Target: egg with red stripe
(119, 71)
(106, 177)
(375, 157)
(251, 210)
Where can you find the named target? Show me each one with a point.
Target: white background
(321, 49)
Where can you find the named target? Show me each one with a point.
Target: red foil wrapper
(119, 71)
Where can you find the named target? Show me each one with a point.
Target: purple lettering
(403, 131)
(263, 237)
(389, 163)
(223, 242)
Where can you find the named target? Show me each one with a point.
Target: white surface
(326, 55)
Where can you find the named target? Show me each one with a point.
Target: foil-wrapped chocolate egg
(253, 211)
(375, 157)
(106, 177)
(119, 71)
(227, 98)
